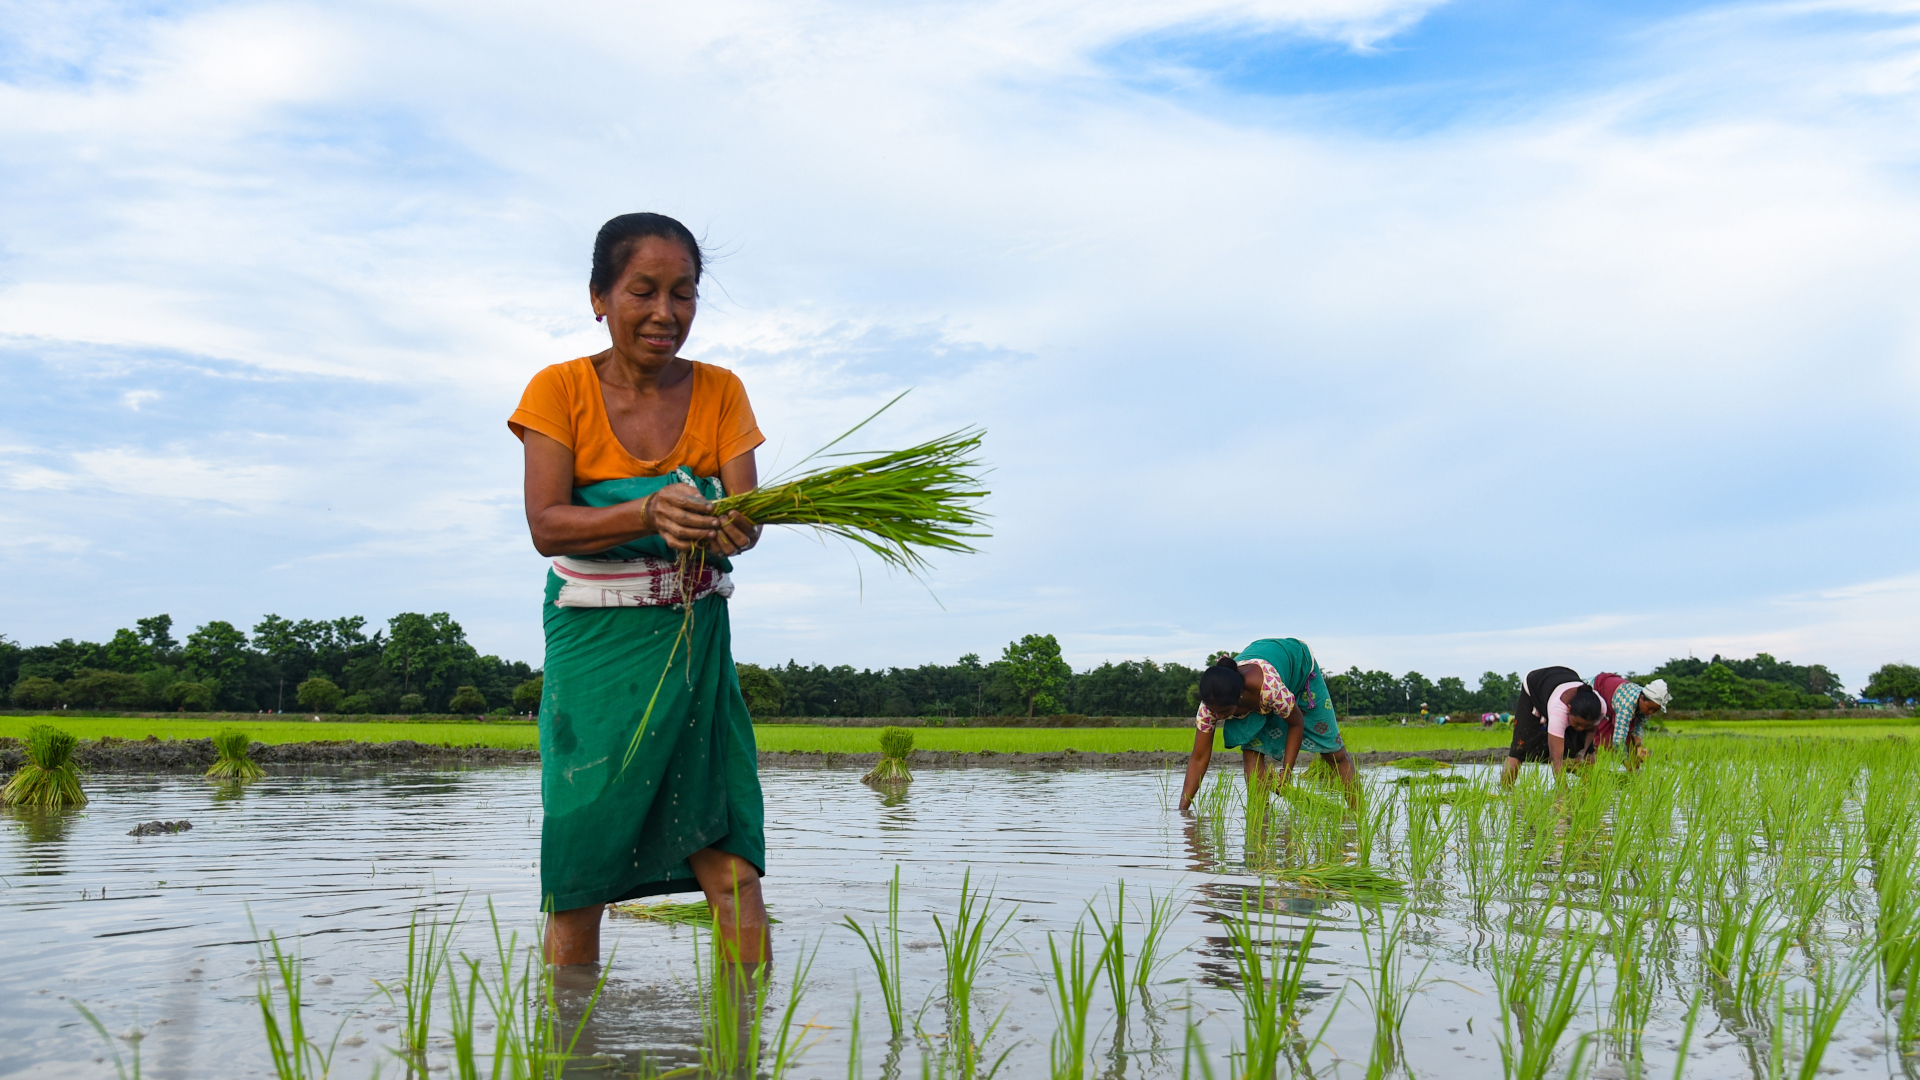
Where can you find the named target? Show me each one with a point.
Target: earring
(599, 318)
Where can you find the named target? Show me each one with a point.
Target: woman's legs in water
(733, 893)
(573, 937)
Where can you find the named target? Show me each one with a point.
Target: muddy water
(156, 934)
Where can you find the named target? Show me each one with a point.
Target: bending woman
(1551, 720)
(624, 452)
(1269, 702)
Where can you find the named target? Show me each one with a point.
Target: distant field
(843, 740)
(504, 735)
(1840, 727)
(781, 737)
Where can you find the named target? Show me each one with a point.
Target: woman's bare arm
(677, 513)
(1197, 763)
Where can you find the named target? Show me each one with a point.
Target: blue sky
(1445, 336)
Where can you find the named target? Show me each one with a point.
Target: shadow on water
(42, 828)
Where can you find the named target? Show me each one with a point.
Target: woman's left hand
(736, 534)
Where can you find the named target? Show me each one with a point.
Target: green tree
(358, 704)
(36, 692)
(1034, 666)
(128, 652)
(216, 652)
(526, 696)
(319, 694)
(1895, 682)
(188, 696)
(765, 696)
(95, 689)
(430, 654)
(468, 699)
(157, 632)
(412, 704)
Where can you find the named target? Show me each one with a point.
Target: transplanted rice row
(1754, 896)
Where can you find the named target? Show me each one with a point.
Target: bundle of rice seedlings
(671, 912)
(48, 779)
(234, 763)
(895, 744)
(896, 505)
(1342, 877)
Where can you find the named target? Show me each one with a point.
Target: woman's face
(649, 311)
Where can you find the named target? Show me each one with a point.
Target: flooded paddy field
(1741, 909)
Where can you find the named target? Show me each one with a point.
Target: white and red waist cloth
(643, 582)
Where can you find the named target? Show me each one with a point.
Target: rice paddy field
(1738, 908)
(776, 737)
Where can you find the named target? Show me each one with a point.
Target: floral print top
(1274, 697)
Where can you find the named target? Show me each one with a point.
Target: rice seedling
(296, 1055)
(1538, 996)
(111, 1043)
(965, 946)
(234, 763)
(1387, 992)
(1347, 878)
(1820, 1010)
(1074, 978)
(1270, 978)
(47, 779)
(1158, 920)
(884, 951)
(429, 950)
(895, 744)
(1113, 947)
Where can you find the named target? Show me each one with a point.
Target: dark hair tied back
(613, 248)
(1585, 705)
(1221, 684)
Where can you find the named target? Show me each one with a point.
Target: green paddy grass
(521, 735)
(1840, 727)
(780, 737)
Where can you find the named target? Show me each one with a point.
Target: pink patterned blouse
(1274, 697)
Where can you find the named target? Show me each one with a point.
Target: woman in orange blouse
(648, 777)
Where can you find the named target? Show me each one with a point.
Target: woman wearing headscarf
(1268, 701)
(648, 772)
(1554, 715)
(1627, 705)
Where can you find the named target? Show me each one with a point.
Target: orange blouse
(563, 402)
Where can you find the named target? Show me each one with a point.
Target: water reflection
(41, 826)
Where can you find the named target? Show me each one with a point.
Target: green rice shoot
(234, 763)
(1420, 764)
(895, 744)
(48, 778)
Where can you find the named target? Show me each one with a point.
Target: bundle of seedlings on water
(670, 912)
(48, 778)
(895, 744)
(234, 764)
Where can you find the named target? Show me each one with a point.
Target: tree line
(416, 663)
(1031, 678)
(423, 663)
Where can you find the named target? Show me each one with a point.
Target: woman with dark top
(1268, 702)
(648, 777)
(1551, 720)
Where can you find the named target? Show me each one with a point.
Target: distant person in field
(1552, 720)
(1627, 705)
(1269, 702)
(625, 451)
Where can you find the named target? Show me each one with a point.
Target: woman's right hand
(681, 516)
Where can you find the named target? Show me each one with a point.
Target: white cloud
(1243, 374)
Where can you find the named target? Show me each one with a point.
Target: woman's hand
(684, 519)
